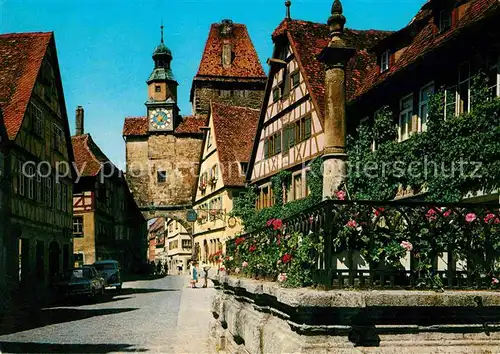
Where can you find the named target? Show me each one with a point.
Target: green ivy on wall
(452, 157)
(253, 219)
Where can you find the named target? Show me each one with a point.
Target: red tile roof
(138, 126)
(157, 224)
(21, 56)
(234, 130)
(191, 125)
(89, 158)
(424, 39)
(135, 126)
(308, 39)
(246, 63)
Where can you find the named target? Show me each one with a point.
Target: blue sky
(105, 46)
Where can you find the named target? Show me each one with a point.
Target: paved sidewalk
(193, 320)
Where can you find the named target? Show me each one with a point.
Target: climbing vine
(453, 157)
(253, 219)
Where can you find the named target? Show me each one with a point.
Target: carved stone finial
(288, 3)
(337, 20)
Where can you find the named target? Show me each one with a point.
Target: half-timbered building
(443, 47)
(290, 132)
(38, 160)
(224, 160)
(107, 223)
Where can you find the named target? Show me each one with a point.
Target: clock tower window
(157, 88)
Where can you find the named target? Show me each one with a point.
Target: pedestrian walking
(206, 268)
(194, 275)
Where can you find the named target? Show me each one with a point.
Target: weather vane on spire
(161, 29)
(288, 3)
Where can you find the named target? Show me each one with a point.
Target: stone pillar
(335, 57)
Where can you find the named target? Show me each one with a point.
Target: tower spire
(288, 3)
(161, 29)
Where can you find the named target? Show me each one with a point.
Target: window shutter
(308, 127)
(285, 138)
(291, 135)
(277, 143)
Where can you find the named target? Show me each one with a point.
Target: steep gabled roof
(89, 158)
(423, 38)
(234, 131)
(308, 39)
(245, 63)
(21, 56)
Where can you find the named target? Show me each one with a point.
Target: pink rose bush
(406, 245)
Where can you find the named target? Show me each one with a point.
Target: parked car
(81, 281)
(111, 273)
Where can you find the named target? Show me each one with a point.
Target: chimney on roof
(227, 28)
(79, 120)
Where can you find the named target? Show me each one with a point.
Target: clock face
(160, 118)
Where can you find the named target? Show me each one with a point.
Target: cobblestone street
(159, 316)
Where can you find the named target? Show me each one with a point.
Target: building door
(40, 261)
(54, 263)
(65, 256)
(24, 260)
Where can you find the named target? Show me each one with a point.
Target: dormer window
(227, 55)
(384, 61)
(444, 20)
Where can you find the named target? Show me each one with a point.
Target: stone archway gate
(175, 213)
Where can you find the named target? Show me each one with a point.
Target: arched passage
(54, 262)
(174, 249)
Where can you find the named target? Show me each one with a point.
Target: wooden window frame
(276, 92)
(161, 176)
(37, 119)
(495, 88)
(30, 179)
(295, 75)
(78, 225)
(424, 102)
(21, 184)
(48, 191)
(444, 26)
(385, 61)
(405, 113)
(294, 187)
(466, 82)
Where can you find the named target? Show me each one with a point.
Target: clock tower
(162, 110)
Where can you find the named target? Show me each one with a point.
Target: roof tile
(309, 38)
(89, 158)
(234, 131)
(425, 39)
(245, 64)
(135, 126)
(21, 56)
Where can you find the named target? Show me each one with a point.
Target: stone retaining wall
(252, 316)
